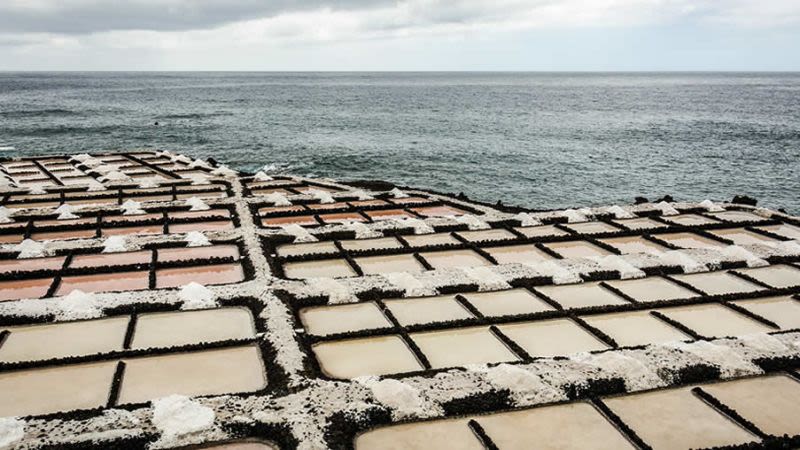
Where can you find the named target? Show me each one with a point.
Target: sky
(398, 35)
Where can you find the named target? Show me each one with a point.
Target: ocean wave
(193, 115)
(38, 113)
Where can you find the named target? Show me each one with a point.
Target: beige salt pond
(714, 320)
(487, 235)
(438, 211)
(436, 434)
(61, 340)
(413, 311)
(207, 372)
(371, 244)
(577, 249)
(54, 389)
(386, 214)
(634, 244)
(548, 338)
(524, 254)
(326, 268)
(506, 303)
(17, 289)
(635, 328)
(207, 275)
(652, 289)
(772, 403)
(592, 227)
(640, 223)
(353, 358)
(718, 283)
(739, 216)
(676, 418)
(447, 259)
(541, 231)
(785, 230)
(575, 426)
(325, 320)
(462, 346)
(307, 248)
(581, 295)
(784, 311)
(390, 263)
(689, 219)
(689, 240)
(740, 236)
(422, 240)
(780, 276)
(171, 329)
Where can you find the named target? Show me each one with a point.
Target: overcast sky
(399, 35)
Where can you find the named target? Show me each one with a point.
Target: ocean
(542, 140)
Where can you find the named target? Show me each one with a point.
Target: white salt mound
(486, 278)
(66, 212)
(12, 430)
(337, 292)
(131, 208)
(403, 399)
(711, 206)
(411, 286)
(261, 176)
(619, 212)
(397, 193)
(277, 199)
(224, 171)
(196, 239)
(197, 204)
(574, 215)
(419, 225)
(79, 305)
(615, 262)
(527, 220)
(5, 215)
(148, 184)
(667, 209)
(322, 196)
(30, 249)
(95, 186)
(361, 195)
(736, 253)
(679, 258)
(300, 234)
(115, 244)
(178, 415)
(115, 176)
(472, 222)
(36, 190)
(196, 296)
(362, 231)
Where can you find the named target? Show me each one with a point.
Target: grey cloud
(86, 16)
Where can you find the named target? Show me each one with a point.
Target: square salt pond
(676, 418)
(541, 231)
(592, 227)
(423, 240)
(780, 276)
(689, 240)
(640, 223)
(784, 311)
(352, 358)
(634, 244)
(739, 216)
(435, 434)
(414, 311)
(487, 235)
(171, 329)
(635, 328)
(740, 236)
(577, 249)
(507, 303)
(61, 340)
(207, 372)
(689, 219)
(714, 320)
(325, 268)
(772, 403)
(718, 283)
(581, 295)
(55, 389)
(447, 259)
(389, 263)
(523, 254)
(652, 289)
(462, 346)
(574, 426)
(325, 320)
(548, 338)
(785, 230)
(309, 248)
(371, 244)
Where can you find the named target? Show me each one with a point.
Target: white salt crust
(196, 296)
(414, 397)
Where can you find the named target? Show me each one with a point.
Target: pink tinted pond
(207, 275)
